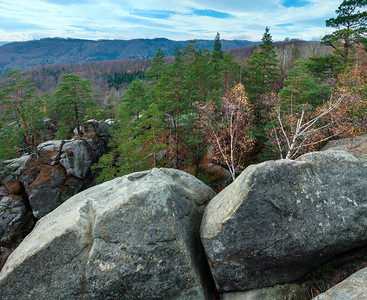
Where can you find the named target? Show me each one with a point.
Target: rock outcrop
(12, 211)
(279, 292)
(40, 182)
(135, 237)
(280, 219)
(354, 287)
(356, 145)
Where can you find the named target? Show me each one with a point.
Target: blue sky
(22, 20)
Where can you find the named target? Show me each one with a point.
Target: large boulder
(12, 211)
(15, 223)
(280, 219)
(354, 287)
(278, 292)
(356, 145)
(135, 237)
(77, 157)
(43, 192)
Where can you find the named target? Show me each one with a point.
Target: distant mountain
(23, 55)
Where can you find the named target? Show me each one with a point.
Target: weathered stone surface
(70, 188)
(278, 292)
(43, 192)
(13, 187)
(14, 166)
(356, 145)
(280, 219)
(77, 157)
(103, 128)
(352, 288)
(12, 211)
(50, 151)
(4, 254)
(135, 237)
(94, 128)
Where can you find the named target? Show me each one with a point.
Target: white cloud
(116, 19)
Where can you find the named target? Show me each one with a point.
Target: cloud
(186, 19)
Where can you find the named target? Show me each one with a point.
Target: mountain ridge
(23, 55)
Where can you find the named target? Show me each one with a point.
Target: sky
(22, 20)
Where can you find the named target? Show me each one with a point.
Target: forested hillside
(23, 55)
(201, 106)
(110, 78)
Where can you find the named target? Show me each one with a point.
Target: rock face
(356, 145)
(135, 237)
(280, 219)
(354, 287)
(12, 211)
(62, 170)
(39, 185)
(279, 292)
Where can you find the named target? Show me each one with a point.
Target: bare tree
(296, 131)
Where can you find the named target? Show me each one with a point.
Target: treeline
(109, 79)
(205, 106)
(24, 55)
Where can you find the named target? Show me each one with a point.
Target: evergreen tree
(262, 75)
(134, 143)
(351, 28)
(198, 84)
(11, 140)
(350, 34)
(174, 103)
(157, 67)
(18, 95)
(302, 87)
(151, 133)
(217, 52)
(124, 156)
(74, 96)
(136, 98)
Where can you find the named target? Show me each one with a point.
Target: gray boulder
(135, 237)
(43, 192)
(352, 288)
(77, 157)
(94, 128)
(278, 292)
(12, 216)
(280, 219)
(50, 151)
(12, 211)
(356, 145)
(14, 166)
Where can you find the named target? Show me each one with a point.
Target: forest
(199, 106)
(22, 55)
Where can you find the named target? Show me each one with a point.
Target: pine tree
(262, 75)
(74, 96)
(136, 98)
(151, 134)
(124, 156)
(349, 36)
(199, 79)
(18, 95)
(302, 87)
(174, 102)
(351, 28)
(217, 52)
(157, 67)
